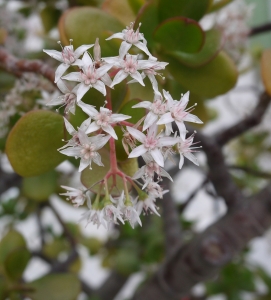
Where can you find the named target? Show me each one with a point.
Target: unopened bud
(97, 51)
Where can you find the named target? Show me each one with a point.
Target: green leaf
(33, 142)
(55, 247)
(9, 243)
(180, 34)
(209, 51)
(49, 17)
(126, 262)
(40, 188)
(92, 244)
(218, 5)
(213, 79)
(148, 17)
(16, 262)
(90, 177)
(55, 287)
(85, 24)
(193, 9)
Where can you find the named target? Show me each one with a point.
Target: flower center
(103, 118)
(69, 98)
(150, 142)
(89, 75)
(158, 107)
(68, 55)
(130, 65)
(88, 151)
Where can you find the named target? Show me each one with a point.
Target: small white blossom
(148, 205)
(68, 57)
(102, 119)
(87, 149)
(131, 37)
(77, 196)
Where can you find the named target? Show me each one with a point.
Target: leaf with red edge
(180, 34)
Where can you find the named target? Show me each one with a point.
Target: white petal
(106, 79)
(119, 117)
(124, 48)
(138, 151)
(83, 138)
(80, 50)
(88, 109)
(157, 156)
(168, 97)
(87, 60)
(85, 124)
(137, 77)
(144, 48)
(54, 54)
(62, 86)
(74, 76)
(121, 75)
(57, 101)
(181, 161)
(103, 69)
(139, 173)
(166, 118)
(168, 130)
(191, 157)
(144, 104)
(102, 141)
(164, 173)
(192, 118)
(83, 164)
(118, 35)
(167, 141)
(109, 129)
(60, 71)
(69, 127)
(82, 89)
(182, 129)
(98, 160)
(72, 151)
(99, 86)
(92, 127)
(137, 134)
(151, 118)
(184, 100)
(154, 83)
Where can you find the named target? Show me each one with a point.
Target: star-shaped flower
(131, 37)
(87, 149)
(77, 196)
(90, 77)
(102, 119)
(68, 57)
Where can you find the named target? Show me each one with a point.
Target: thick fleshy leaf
(33, 142)
(55, 287)
(148, 17)
(213, 79)
(136, 114)
(120, 9)
(266, 70)
(90, 177)
(16, 262)
(193, 9)
(209, 51)
(12, 241)
(40, 188)
(85, 24)
(180, 34)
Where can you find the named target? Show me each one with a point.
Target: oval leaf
(266, 70)
(180, 34)
(55, 287)
(209, 51)
(33, 142)
(85, 24)
(215, 78)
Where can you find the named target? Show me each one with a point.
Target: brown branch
(252, 120)
(260, 29)
(17, 66)
(202, 258)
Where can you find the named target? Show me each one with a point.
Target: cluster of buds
(147, 140)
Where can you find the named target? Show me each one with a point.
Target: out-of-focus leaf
(49, 17)
(180, 34)
(192, 9)
(12, 241)
(136, 5)
(33, 142)
(208, 81)
(218, 5)
(266, 70)
(40, 188)
(75, 266)
(210, 49)
(90, 177)
(55, 287)
(148, 17)
(85, 24)
(126, 262)
(120, 9)
(16, 262)
(54, 248)
(92, 244)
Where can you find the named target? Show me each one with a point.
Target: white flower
(185, 149)
(157, 108)
(90, 77)
(68, 99)
(178, 113)
(111, 212)
(151, 143)
(131, 37)
(77, 196)
(68, 57)
(155, 190)
(87, 149)
(102, 119)
(147, 204)
(74, 141)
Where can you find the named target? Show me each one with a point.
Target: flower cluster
(154, 140)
